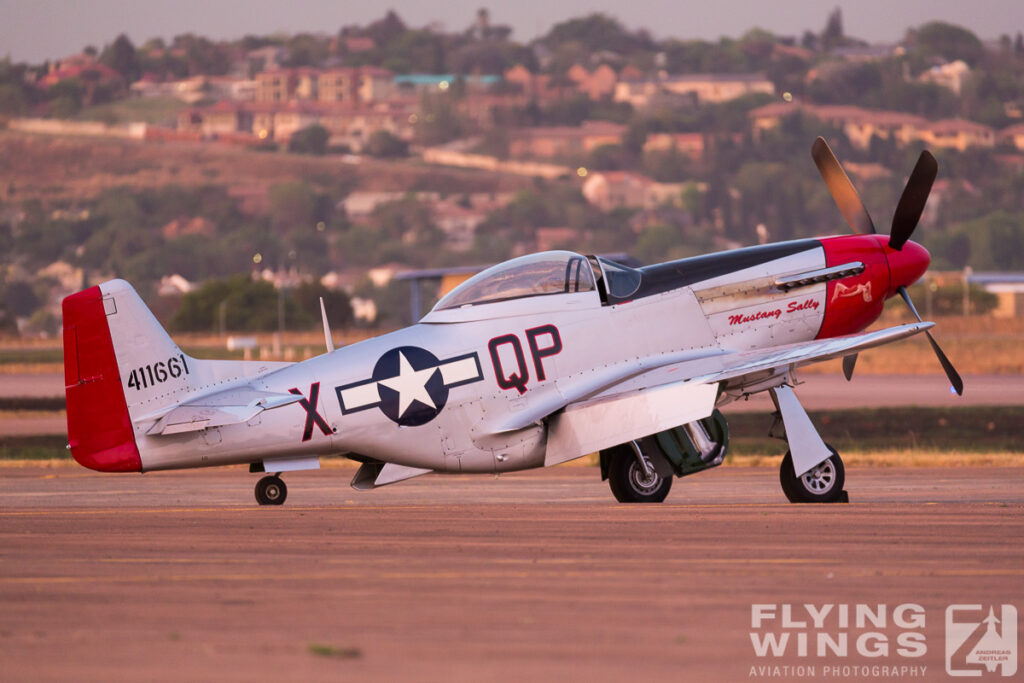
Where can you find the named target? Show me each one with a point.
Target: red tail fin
(99, 428)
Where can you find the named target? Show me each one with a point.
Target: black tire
(271, 491)
(627, 481)
(823, 484)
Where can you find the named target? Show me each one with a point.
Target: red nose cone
(907, 265)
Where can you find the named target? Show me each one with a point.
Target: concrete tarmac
(531, 576)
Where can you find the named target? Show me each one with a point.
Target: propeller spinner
(904, 265)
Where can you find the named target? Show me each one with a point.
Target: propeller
(842, 189)
(954, 377)
(904, 222)
(913, 199)
(849, 362)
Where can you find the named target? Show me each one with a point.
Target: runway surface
(533, 576)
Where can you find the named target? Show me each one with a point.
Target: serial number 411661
(155, 373)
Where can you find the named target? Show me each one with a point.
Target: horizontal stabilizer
(232, 406)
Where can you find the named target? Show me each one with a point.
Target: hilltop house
(563, 141)
(703, 88)
(338, 85)
(612, 189)
(862, 125)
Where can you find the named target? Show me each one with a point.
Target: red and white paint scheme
(531, 363)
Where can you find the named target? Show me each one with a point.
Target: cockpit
(545, 274)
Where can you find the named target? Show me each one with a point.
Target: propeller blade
(915, 196)
(842, 190)
(954, 377)
(955, 380)
(906, 297)
(848, 364)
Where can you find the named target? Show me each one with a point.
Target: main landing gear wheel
(271, 490)
(629, 482)
(822, 484)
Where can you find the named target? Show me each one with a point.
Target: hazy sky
(34, 30)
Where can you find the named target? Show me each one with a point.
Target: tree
(65, 98)
(247, 304)
(438, 121)
(306, 49)
(383, 31)
(310, 140)
(608, 158)
(595, 33)
(336, 303)
(949, 41)
(120, 56)
(293, 204)
(12, 100)
(20, 299)
(385, 145)
(832, 36)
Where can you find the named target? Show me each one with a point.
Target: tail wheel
(630, 484)
(271, 491)
(822, 484)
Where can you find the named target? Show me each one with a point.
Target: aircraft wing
(734, 365)
(682, 392)
(230, 406)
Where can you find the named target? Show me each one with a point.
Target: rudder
(100, 431)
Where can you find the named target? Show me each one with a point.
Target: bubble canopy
(546, 273)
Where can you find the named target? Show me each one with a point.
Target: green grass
(972, 429)
(32, 356)
(34, 448)
(38, 403)
(144, 109)
(321, 650)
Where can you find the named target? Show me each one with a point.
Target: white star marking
(410, 384)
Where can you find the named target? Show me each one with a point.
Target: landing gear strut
(270, 490)
(821, 480)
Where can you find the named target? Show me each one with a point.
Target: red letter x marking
(312, 417)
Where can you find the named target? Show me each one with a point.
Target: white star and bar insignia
(410, 385)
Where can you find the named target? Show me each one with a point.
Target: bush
(384, 145)
(309, 140)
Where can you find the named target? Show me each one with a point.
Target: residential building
(957, 134)
(419, 83)
(220, 119)
(273, 86)
(1009, 291)
(862, 125)
(562, 237)
(1012, 136)
(350, 125)
(332, 86)
(612, 189)
(458, 223)
(951, 75)
(598, 84)
(688, 144)
(564, 141)
(703, 88)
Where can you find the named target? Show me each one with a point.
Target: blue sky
(34, 30)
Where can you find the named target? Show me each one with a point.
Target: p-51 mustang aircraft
(531, 363)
